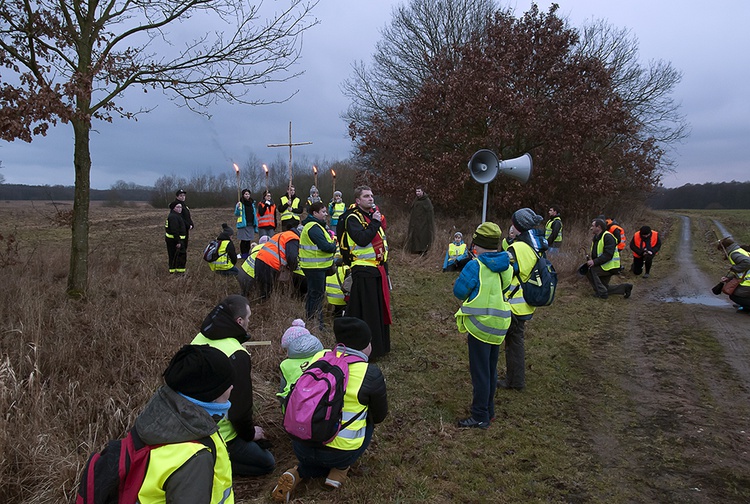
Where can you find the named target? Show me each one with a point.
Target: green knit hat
(487, 236)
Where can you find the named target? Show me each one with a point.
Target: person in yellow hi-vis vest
(484, 316)
(365, 404)
(225, 328)
(604, 262)
(739, 258)
(193, 463)
(225, 262)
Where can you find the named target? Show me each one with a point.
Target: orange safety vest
(273, 252)
(267, 219)
(639, 241)
(623, 238)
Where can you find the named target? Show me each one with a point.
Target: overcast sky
(707, 41)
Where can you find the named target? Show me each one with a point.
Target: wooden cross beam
(290, 145)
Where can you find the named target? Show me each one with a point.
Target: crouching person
(182, 416)
(365, 399)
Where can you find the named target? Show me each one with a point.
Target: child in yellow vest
(300, 346)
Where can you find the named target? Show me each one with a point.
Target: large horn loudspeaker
(484, 167)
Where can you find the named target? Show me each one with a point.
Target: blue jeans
(249, 459)
(483, 369)
(315, 461)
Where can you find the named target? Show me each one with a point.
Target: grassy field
(75, 374)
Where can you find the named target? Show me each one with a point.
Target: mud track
(671, 419)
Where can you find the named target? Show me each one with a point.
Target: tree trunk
(79, 244)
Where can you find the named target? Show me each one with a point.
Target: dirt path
(678, 429)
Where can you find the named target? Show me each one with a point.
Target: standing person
(336, 209)
(485, 317)
(421, 231)
(316, 250)
(314, 198)
(604, 261)
(247, 222)
(225, 263)
(225, 329)
(740, 269)
(457, 254)
(645, 244)
(369, 298)
(175, 236)
(189, 463)
(180, 197)
(290, 208)
(266, 215)
(523, 252)
(553, 230)
(365, 394)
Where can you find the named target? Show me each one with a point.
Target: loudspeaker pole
(484, 204)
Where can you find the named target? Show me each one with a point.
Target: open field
(639, 400)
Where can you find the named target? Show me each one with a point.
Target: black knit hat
(226, 229)
(199, 371)
(645, 230)
(180, 191)
(352, 332)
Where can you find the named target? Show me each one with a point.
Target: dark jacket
(357, 232)
(317, 235)
(185, 215)
(231, 251)
(218, 325)
(175, 226)
(372, 393)
(170, 418)
(610, 244)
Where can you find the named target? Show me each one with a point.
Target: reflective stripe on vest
(168, 234)
(334, 290)
(228, 346)
(222, 263)
(365, 256)
(613, 263)
(455, 251)
(266, 220)
(249, 265)
(526, 258)
(745, 277)
(273, 252)
(487, 316)
(310, 256)
(336, 209)
(548, 229)
(623, 239)
(165, 460)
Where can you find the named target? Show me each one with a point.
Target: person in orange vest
(618, 232)
(266, 214)
(645, 244)
(279, 253)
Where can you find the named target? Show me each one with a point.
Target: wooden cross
(290, 145)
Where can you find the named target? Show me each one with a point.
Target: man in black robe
(421, 224)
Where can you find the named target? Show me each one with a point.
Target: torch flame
(333, 173)
(315, 169)
(265, 168)
(236, 168)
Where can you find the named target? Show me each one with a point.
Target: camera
(717, 288)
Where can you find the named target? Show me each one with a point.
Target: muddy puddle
(700, 299)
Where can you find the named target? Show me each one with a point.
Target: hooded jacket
(467, 284)
(220, 325)
(170, 418)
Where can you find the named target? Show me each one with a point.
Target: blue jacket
(467, 284)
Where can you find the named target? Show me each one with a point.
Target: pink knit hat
(298, 341)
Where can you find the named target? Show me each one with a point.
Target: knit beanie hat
(352, 332)
(459, 234)
(725, 243)
(298, 341)
(525, 219)
(487, 236)
(226, 229)
(313, 189)
(645, 230)
(337, 193)
(263, 239)
(199, 371)
(180, 191)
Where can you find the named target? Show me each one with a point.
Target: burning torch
(237, 172)
(334, 180)
(315, 175)
(266, 170)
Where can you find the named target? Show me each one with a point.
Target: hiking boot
(628, 290)
(646, 275)
(473, 423)
(503, 384)
(601, 296)
(336, 477)
(286, 485)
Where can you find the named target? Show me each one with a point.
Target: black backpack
(343, 238)
(541, 286)
(115, 474)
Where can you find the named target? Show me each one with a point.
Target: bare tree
(645, 90)
(71, 60)
(418, 33)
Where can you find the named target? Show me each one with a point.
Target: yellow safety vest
(613, 263)
(455, 251)
(336, 210)
(165, 460)
(365, 256)
(526, 258)
(487, 316)
(228, 346)
(744, 277)
(334, 286)
(222, 262)
(249, 265)
(291, 370)
(288, 214)
(548, 229)
(310, 256)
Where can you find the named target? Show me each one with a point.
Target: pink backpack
(316, 400)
